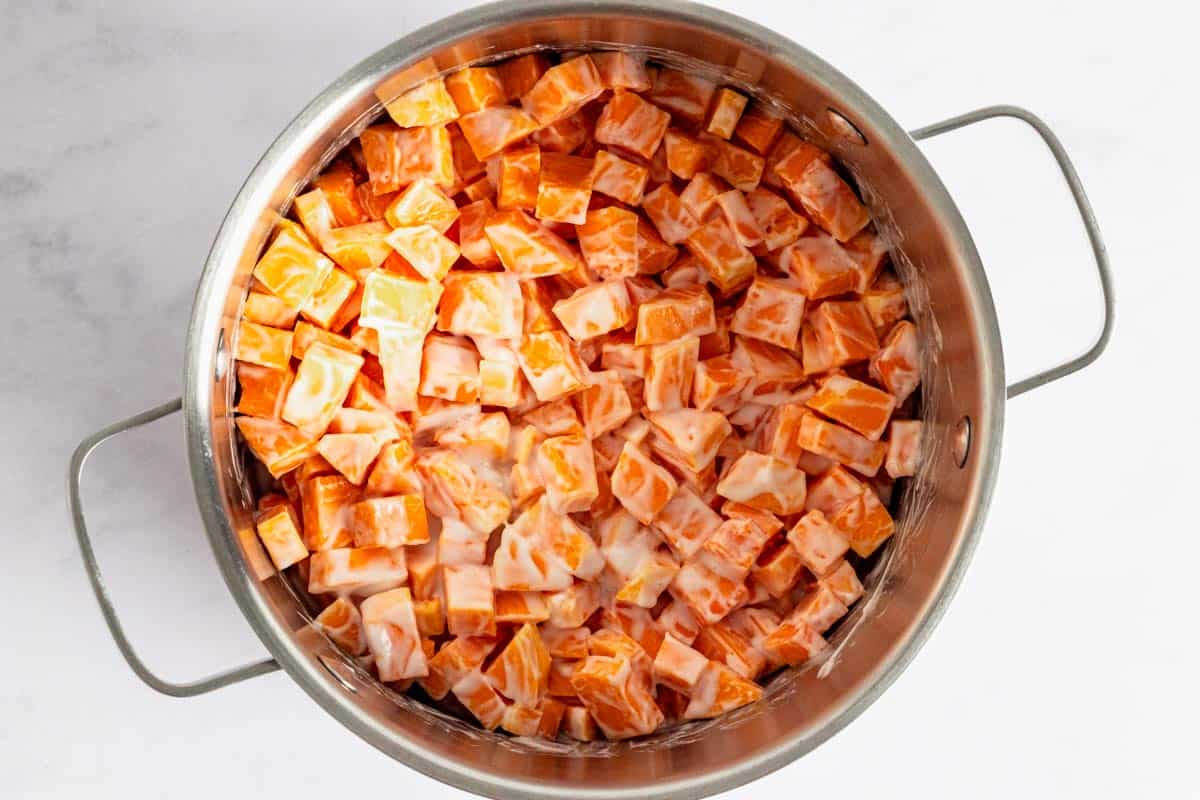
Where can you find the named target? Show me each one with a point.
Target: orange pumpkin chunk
(279, 530)
(390, 521)
(518, 75)
(726, 111)
(730, 265)
(475, 88)
(521, 671)
(564, 188)
(291, 268)
(470, 606)
(562, 90)
(829, 201)
(686, 95)
(551, 365)
(568, 471)
(669, 373)
(608, 239)
(491, 130)
(528, 248)
(604, 405)
(764, 482)
(771, 311)
(392, 636)
(896, 365)
(855, 404)
(519, 176)
(342, 623)
(841, 444)
(427, 104)
(350, 453)
(904, 448)
(356, 570)
(686, 155)
(642, 486)
(595, 310)
(619, 179)
(673, 314)
(621, 70)
(481, 304)
(267, 347)
(719, 691)
(669, 215)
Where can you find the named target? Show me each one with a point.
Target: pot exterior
(963, 378)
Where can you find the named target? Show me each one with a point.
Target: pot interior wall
(907, 585)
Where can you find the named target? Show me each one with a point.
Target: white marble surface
(1065, 661)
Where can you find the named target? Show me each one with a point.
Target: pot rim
(205, 356)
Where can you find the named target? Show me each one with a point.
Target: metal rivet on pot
(844, 128)
(334, 666)
(962, 441)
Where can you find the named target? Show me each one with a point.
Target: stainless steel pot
(964, 398)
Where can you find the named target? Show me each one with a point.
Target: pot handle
(1089, 224)
(93, 569)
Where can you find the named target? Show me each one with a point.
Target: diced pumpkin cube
(845, 328)
(567, 643)
(393, 472)
(491, 130)
(528, 248)
(454, 489)
(522, 669)
(291, 268)
(764, 482)
(522, 607)
(695, 435)
(556, 418)
(473, 243)
(730, 265)
(568, 471)
(342, 623)
(732, 548)
(477, 695)
(428, 153)
(551, 365)
(521, 720)
(819, 609)
(718, 384)
(456, 658)
(648, 580)
(622, 70)
(520, 565)
(884, 301)
(390, 521)
(278, 529)
(719, 691)
(619, 179)
(819, 544)
(741, 168)
(670, 217)
(470, 607)
(475, 88)
(779, 568)
(482, 434)
(678, 621)
(564, 188)
(771, 311)
(780, 225)
(686, 522)
(338, 186)
(726, 111)
(356, 570)
(595, 310)
(481, 304)
(422, 203)
(564, 136)
(429, 252)
(263, 390)
(678, 666)
(829, 201)
(562, 90)
(374, 206)
(673, 314)
(322, 382)
(459, 543)
(520, 170)
(572, 606)
(262, 345)
(897, 364)
(642, 486)
(841, 444)
(608, 240)
(708, 595)
(350, 453)
(579, 724)
(700, 195)
(358, 248)
(604, 405)
(430, 621)
(904, 448)
(325, 307)
(383, 152)
(682, 93)
(449, 369)
(793, 643)
(844, 583)
(400, 354)
(855, 404)
(833, 490)
(427, 104)
(759, 127)
(669, 373)
(654, 255)
(315, 213)
(740, 219)
(518, 75)
(392, 301)
(865, 522)
(724, 645)
(618, 698)
(687, 156)
(267, 309)
(820, 265)
(424, 571)
(687, 271)
(326, 503)
(628, 632)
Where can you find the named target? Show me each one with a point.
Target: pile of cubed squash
(582, 387)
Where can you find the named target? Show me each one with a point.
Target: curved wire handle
(1089, 224)
(101, 591)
